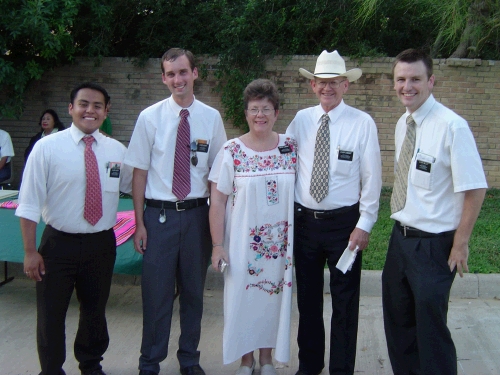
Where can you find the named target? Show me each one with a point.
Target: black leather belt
(414, 232)
(178, 206)
(299, 209)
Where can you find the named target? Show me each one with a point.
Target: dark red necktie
(181, 183)
(93, 195)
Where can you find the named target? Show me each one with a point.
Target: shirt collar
(420, 114)
(77, 134)
(177, 108)
(334, 114)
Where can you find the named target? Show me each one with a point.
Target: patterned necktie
(398, 198)
(321, 165)
(181, 183)
(92, 211)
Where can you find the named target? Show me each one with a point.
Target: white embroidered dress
(259, 243)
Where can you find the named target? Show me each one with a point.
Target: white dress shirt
(6, 148)
(445, 164)
(54, 181)
(152, 146)
(351, 130)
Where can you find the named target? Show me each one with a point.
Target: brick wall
(469, 87)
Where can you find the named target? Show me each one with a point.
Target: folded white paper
(347, 259)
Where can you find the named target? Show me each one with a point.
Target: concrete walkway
(474, 320)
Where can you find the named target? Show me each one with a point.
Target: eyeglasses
(264, 111)
(332, 84)
(193, 147)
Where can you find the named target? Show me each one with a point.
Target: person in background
(250, 232)
(68, 183)
(172, 149)
(439, 187)
(49, 124)
(336, 205)
(6, 154)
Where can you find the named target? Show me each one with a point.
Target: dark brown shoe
(192, 370)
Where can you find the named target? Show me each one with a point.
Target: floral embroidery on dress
(272, 190)
(270, 287)
(270, 241)
(244, 163)
(254, 271)
(288, 263)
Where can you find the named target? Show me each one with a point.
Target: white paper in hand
(347, 259)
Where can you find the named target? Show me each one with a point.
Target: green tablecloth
(128, 261)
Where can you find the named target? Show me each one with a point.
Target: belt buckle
(317, 212)
(177, 206)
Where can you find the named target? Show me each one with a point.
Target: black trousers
(74, 261)
(416, 283)
(318, 241)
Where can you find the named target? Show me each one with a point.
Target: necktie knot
(324, 119)
(184, 114)
(88, 140)
(410, 121)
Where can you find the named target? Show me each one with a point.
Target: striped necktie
(398, 198)
(181, 183)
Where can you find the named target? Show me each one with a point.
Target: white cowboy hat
(331, 65)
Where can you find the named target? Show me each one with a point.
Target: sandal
(267, 370)
(245, 370)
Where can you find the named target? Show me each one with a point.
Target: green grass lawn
(484, 245)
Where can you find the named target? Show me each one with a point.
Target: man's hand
(140, 239)
(359, 238)
(34, 266)
(458, 258)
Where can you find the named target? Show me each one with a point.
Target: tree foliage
(38, 35)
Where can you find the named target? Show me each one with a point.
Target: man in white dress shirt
(75, 252)
(442, 195)
(326, 226)
(173, 232)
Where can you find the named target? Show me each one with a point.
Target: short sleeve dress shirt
(54, 181)
(152, 146)
(445, 164)
(354, 134)
(6, 148)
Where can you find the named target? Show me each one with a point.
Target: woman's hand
(218, 253)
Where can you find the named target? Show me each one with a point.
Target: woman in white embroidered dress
(251, 218)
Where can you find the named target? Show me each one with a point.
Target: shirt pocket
(343, 163)
(113, 174)
(423, 171)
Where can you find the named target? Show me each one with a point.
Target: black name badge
(424, 166)
(115, 170)
(345, 155)
(285, 149)
(202, 147)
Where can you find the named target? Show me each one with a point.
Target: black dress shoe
(192, 370)
(147, 372)
(94, 372)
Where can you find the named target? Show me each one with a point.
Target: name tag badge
(114, 169)
(202, 145)
(424, 166)
(284, 149)
(345, 155)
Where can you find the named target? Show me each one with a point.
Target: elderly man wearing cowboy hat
(336, 205)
